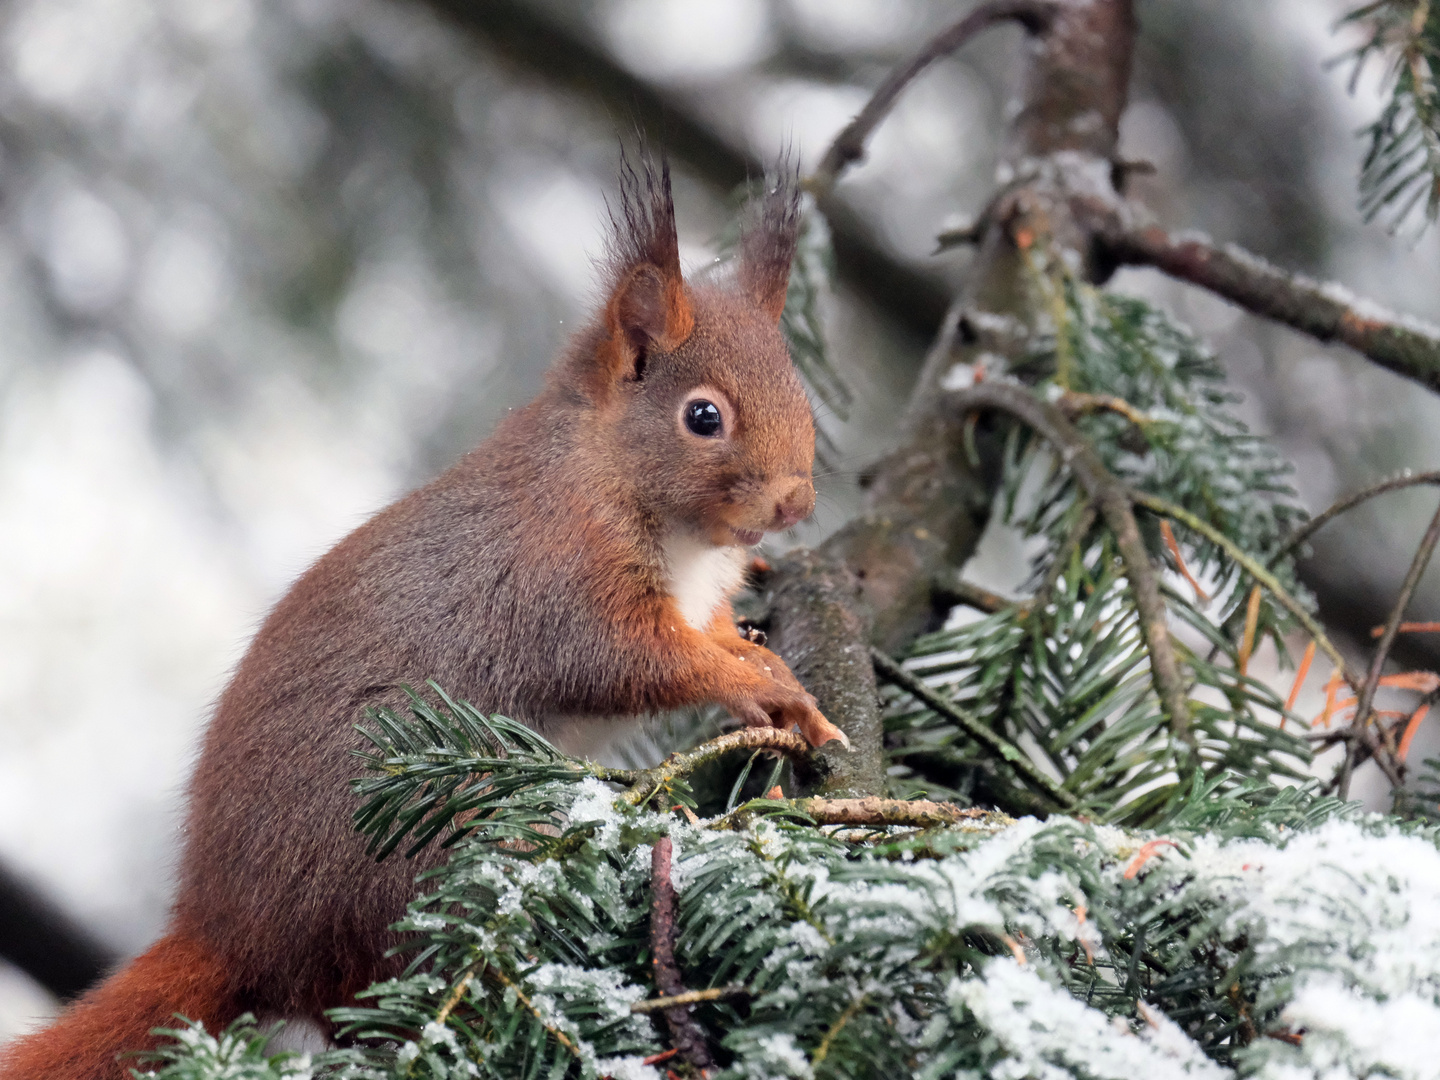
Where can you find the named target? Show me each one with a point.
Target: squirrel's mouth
(747, 537)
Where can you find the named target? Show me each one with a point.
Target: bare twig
(1348, 503)
(1009, 753)
(959, 591)
(851, 1011)
(1113, 500)
(1409, 628)
(453, 998)
(685, 1034)
(524, 999)
(690, 997)
(913, 813)
(849, 145)
(1366, 697)
(1406, 346)
(1075, 403)
(1370, 742)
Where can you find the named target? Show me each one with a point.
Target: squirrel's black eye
(703, 419)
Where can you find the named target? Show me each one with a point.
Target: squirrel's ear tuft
(767, 243)
(647, 305)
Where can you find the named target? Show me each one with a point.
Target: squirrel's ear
(648, 306)
(767, 244)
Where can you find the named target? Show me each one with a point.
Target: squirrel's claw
(818, 731)
(812, 724)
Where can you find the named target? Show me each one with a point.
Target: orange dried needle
(1145, 854)
(1332, 687)
(1015, 949)
(1301, 672)
(1168, 535)
(1080, 920)
(1410, 628)
(1411, 725)
(1332, 709)
(1252, 619)
(1424, 682)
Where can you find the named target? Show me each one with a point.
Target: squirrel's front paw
(786, 708)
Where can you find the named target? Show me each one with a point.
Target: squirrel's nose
(795, 505)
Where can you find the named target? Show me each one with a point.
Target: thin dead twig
(872, 810)
(524, 999)
(1348, 503)
(457, 992)
(1075, 403)
(685, 1034)
(1366, 697)
(849, 145)
(690, 997)
(959, 591)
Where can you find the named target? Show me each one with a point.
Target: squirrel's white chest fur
(701, 576)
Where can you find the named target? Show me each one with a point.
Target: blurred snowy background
(266, 264)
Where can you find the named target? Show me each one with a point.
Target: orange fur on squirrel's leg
(176, 975)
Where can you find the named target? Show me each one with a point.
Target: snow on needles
(1062, 950)
(1043, 1033)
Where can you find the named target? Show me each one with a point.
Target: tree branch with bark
(1402, 344)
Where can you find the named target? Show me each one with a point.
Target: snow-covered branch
(1405, 345)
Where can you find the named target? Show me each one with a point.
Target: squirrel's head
(689, 387)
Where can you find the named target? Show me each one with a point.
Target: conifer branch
(515, 988)
(1401, 168)
(1006, 751)
(453, 998)
(849, 145)
(1113, 500)
(1404, 345)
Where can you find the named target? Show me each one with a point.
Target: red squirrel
(575, 568)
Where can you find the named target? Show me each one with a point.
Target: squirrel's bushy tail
(176, 975)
